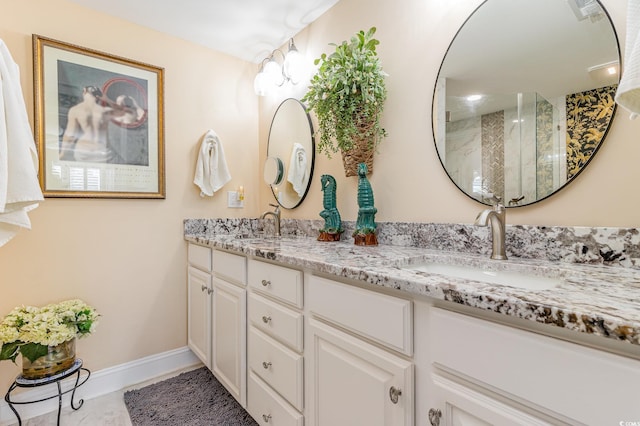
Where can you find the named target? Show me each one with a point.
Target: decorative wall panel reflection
(588, 115)
(493, 129)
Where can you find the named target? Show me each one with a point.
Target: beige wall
(127, 257)
(409, 183)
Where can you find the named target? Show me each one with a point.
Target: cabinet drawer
(267, 407)
(199, 256)
(276, 281)
(566, 378)
(384, 319)
(231, 266)
(280, 367)
(280, 322)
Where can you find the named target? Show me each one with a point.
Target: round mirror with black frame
(288, 168)
(525, 97)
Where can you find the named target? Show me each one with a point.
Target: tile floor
(107, 410)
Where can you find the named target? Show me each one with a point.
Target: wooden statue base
(365, 240)
(329, 236)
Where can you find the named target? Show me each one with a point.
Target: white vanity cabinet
(299, 349)
(229, 323)
(199, 290)
(488, 373)
(275, 344)
(359, 344)
(217, 312)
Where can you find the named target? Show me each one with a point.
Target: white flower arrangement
(31, 330)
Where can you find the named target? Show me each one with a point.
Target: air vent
(584, 9)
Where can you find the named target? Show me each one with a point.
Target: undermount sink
(506, 278)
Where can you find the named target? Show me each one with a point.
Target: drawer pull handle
(266, 417)
(266, 283)
(394, 394)
(266, 319)
(266, 365)
(203, 287)
(434, 416)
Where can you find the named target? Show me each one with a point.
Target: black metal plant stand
(21, 382)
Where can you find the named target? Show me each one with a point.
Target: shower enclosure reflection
(522, 139)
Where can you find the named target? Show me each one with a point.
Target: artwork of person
(85, 137)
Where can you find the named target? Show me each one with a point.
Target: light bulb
(260, 84)
(293, 66)
(273, 73)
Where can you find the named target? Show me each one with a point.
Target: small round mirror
(288, 168)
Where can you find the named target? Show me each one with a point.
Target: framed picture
(99, 123)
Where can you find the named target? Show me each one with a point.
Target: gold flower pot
(58, 359)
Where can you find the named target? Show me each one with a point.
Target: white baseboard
(100, 383)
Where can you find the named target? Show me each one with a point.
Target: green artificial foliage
(347, 94)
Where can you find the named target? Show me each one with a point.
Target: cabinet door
(229, 338)
(199, 314)
(355, 383)
(454, 404)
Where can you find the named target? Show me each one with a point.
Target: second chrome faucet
(496, 217)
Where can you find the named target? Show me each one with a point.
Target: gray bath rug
(194, 398)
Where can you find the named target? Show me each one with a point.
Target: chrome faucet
(276, 217)
(496, 217)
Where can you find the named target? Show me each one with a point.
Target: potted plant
(347, 95)
(45, 336)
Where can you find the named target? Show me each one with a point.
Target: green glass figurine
(365, 232)
(332, 222)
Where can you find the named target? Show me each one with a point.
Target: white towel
(628, 93)
(298, 169)
(211, 170)
(19, 188)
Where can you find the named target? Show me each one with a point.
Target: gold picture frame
(99, 123)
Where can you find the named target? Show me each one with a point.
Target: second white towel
(212, 172)
(297, 175)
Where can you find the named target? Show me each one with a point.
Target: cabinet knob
(266, 417)
(434, 416)
(266, 365)
(203, 287)
(266, 283)
(209, 290)
(394, 394)
(266, 319)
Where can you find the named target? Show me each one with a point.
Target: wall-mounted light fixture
(272, 75)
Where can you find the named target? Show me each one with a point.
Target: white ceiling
(246, 29)
(546, 50)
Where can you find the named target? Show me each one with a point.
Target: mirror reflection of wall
(524, 99)
(290, 154)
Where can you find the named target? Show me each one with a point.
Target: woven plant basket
(362, 151)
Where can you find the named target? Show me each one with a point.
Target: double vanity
(434, 326)
(303, 332)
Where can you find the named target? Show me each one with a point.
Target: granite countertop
(595, 299)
